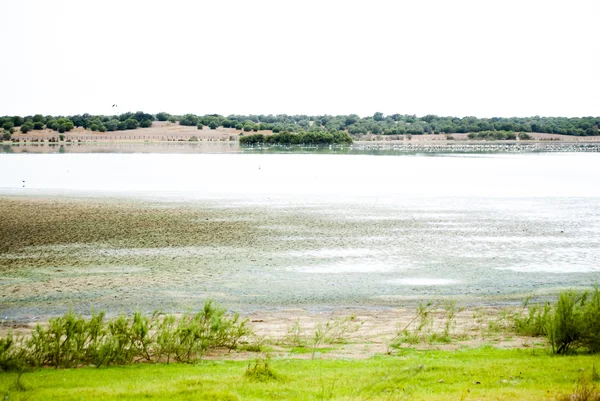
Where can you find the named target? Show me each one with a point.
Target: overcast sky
(482, 58)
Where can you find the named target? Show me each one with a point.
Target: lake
(320, 231)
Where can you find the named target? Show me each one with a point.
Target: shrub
(8, 125)
(524, 136)
(11, 357)
(145, 124)
(535, 323)
(575, 322)
(213, 125)
(260, 370)
(38, 125)
(572, 323)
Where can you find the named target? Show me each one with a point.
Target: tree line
(395, 124)
(62, 124)
(377, 124)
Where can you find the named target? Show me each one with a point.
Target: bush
(524, 136)
(8, 125)
(145, 124)
(260, 370)
(575, 322)
(38, 125)
(535, 322)
(213, 125)
(572, 323)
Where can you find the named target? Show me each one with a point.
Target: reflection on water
(358, 148)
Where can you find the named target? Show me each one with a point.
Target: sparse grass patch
(260, 370)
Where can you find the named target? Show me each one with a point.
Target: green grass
(483, 373)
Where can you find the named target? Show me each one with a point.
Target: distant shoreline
(173, 132)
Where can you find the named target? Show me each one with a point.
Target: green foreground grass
(469, 374)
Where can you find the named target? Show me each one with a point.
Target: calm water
(321, 177)
(357, 229)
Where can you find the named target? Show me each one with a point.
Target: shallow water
(328, 230)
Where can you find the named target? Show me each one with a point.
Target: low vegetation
(300, 138)
(499, 135)
(570, 324)
(71, 340)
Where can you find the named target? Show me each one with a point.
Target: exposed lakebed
(269, 231)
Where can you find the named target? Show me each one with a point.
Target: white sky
(481, 57)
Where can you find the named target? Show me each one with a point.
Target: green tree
(189, 120)
(112, 125)
(131, 123)
(145, 124)
(162, 116)
(38, 125)
(26, 127)
(378, 116)
(18, 121)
